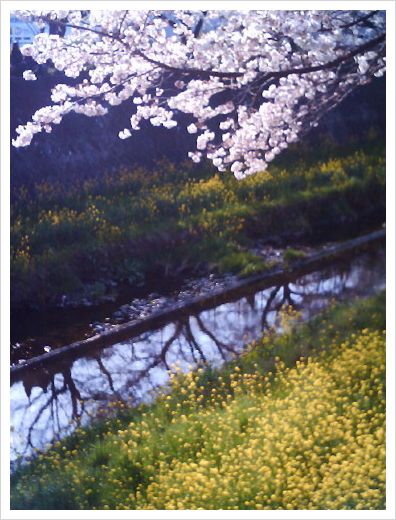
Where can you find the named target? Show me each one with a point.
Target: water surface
(52, 401)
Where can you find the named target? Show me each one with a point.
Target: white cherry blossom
(29, 75)
(252, 82)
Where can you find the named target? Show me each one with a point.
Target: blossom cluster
(252, 81)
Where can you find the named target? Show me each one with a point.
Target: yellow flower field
(314, 441)
(306, 436)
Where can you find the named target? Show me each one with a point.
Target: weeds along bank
(297, 422)
(123, 228)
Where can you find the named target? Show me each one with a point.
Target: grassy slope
(308, 433)
(124, 227)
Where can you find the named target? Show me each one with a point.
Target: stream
(49, 402)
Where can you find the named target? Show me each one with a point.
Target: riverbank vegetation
(127, 227)
(296, 422)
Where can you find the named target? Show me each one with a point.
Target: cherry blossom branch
(252, 81)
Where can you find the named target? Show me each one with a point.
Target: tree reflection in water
(50, 402)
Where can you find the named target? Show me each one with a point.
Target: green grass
(296, 422)
(292, 255)
(242, 262)
(127, 226)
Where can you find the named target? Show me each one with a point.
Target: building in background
(22, 32)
